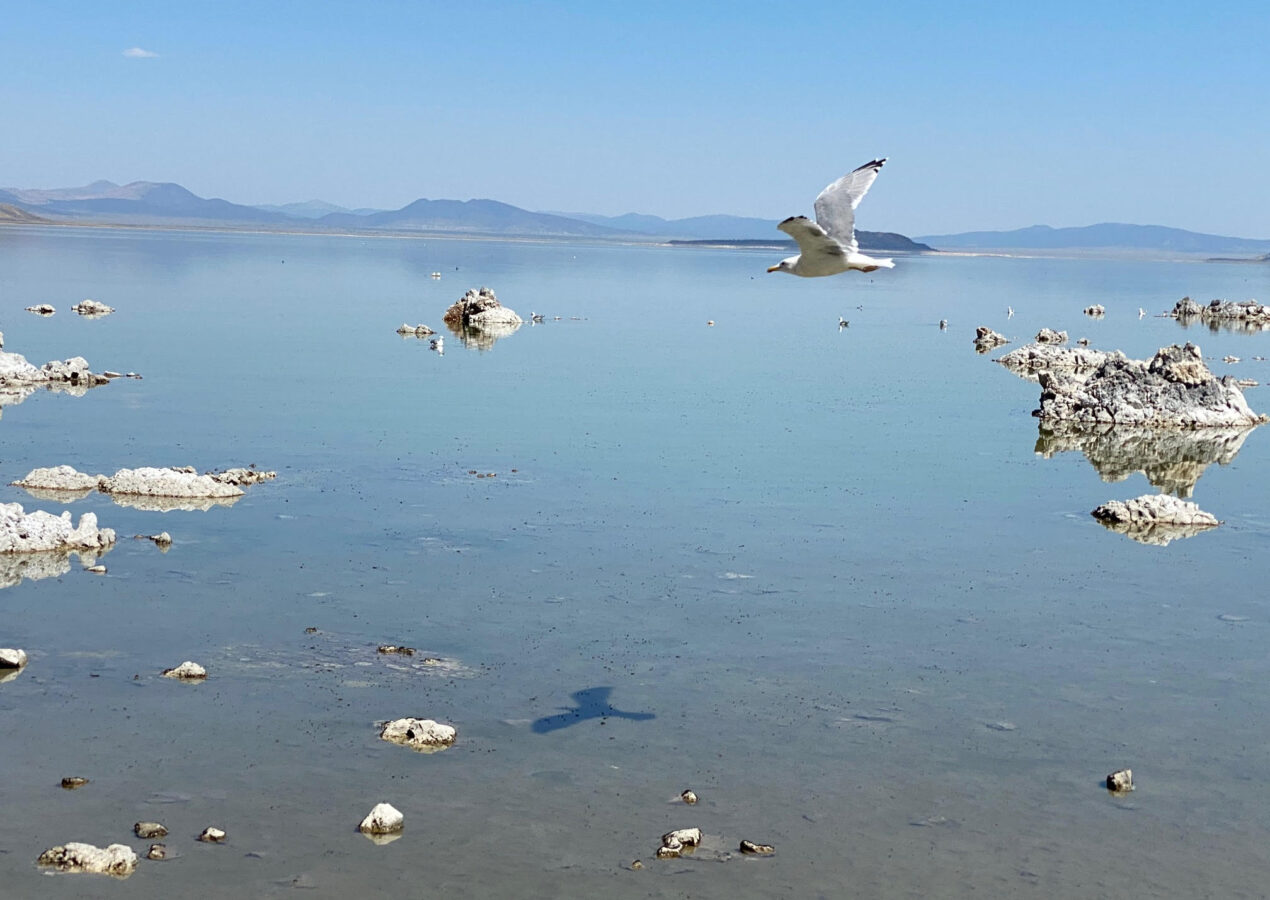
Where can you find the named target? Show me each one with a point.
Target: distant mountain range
(166, 204)
(1107, 236)
(153, 203)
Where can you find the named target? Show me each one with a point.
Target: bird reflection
(592, 703)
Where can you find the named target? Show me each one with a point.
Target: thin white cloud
(138, 53)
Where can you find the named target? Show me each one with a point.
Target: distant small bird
(1141, 312)
(943, 324)
(535, 317)
(842, 323)
(1009, 312)
(828, 245)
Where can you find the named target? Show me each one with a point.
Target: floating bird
(943, 324)
(842, 323)
(1009, 312)
(1141, 312)
(828, 245)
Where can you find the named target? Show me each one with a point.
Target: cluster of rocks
(42, 309)
(1173, 389)
(16, 372)
(1154, 518)
(1050, 336)
(1097, 311)
(1247, 315)
(176, 484)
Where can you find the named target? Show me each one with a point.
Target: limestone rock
(418, 331)
(673, 843)
(1050, 336)
(1173, 389)
(92, 308)
(147, 830)
(117, 859)
(986, 339)
(242, 477)
(478, 319)
(1120, 781)
(11, 658)
(186, 671)
(22, 532)
(69, 374)
(59, 478)
(383, 819)
(1247, 316)
(758, 849)
(42, 309)
(688, 796)
(1030, 360)
(1097, 311)
(170, 482)
(73, 782)
(157, 851)
(1155, 518)
(212, 835)
(419, 734)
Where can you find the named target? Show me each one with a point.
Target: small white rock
(383, 819)
(212, 835)
(11, 658)
(419, 734)
(186, 671)
(117, 859)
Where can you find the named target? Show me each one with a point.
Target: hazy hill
(472, 216)
(1109, 235)
(16, 215)
(139, 201)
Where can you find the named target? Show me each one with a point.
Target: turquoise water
(824, 571)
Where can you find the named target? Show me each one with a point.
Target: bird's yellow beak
(773, 268)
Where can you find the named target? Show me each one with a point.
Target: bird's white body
(828, 245)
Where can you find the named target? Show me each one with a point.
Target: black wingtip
(873, 164)
(793, 219)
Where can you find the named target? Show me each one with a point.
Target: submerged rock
(1173, 389)
(242, 477)
(1172, 459)
(418, 331)
(1097, 311)
(1120, 781)
(22, 532)
(92, 308)
(42, 309)
(186, 671)
(383, 819)
(73, 782)
(117, 859)
(757, 849)
(419, 734)
(986, 339)
(157, 851)
(212, 835)
(1155, 518)
(1246, 316)
(147, 830)
(1050, 336)
(673, 843)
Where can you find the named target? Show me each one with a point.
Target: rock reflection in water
(1172, 459)
(1159, 535)
(169, 504)
(14, 567)
(482, 338)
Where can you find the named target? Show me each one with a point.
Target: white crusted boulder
(1030, 360)
(419, 734)
(117, 859)
(22, 532)
(59, 478)
(242, 477)
(92, 308)
(183, 482)
(1173, 389)
(1050, 336)
(186, 671)
(986, 339)
(383, 819)
(12, 658)
(1155, 518)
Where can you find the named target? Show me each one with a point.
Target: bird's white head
(785, 265)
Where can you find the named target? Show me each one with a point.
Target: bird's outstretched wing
(835, 207)
(813, 242)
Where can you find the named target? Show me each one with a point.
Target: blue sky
(993, 115)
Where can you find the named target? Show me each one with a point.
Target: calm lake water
(820, 575)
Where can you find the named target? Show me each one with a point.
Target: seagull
(828, 245)
(1009, 312)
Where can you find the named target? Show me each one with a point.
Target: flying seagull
(828, 245)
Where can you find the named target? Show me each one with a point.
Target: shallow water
(823, 572)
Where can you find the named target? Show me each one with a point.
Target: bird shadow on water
(592, 703)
